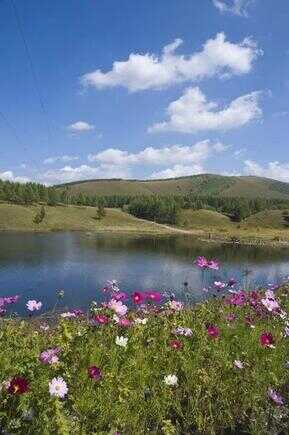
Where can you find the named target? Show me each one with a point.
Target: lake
(37, 265)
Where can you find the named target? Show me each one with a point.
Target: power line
(31, 64)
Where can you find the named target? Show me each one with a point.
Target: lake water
(37, 265)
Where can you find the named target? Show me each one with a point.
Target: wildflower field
(146, 363)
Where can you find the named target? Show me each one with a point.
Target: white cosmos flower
(171, 380)
(58, 387)
(121, 341)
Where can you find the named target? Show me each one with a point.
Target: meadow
(147, 363)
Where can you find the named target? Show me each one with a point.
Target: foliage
(224, 372)
(40, 215)
(155, 208)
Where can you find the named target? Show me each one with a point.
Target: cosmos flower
(171, 380)
(275, 397)
(238, 364)
(33, 305)
(270, 304)
(138, 298)
(119, 296)
(50, 356)
(219, 285)
(187, 332)
(213, 264)
(18, 385)
(118, 307)
(231, 282)
(213, 331)
(230, 317)
(101, 319)
(201, 262)
(125, 322)
(266, 339)
(121, 341)
(67, 315)
(58, 387)
(94, 373)
(176, 344)
(153, 296)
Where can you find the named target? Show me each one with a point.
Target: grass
(205, 184)
(212, 395)
(72, 218)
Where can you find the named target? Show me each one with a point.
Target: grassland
(263, 228)
(205, 184)
(72, 218)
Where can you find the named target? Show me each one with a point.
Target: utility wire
(32, 67)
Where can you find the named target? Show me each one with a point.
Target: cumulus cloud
(236, 7)
(149, 71)
(192, 113)
(51, 160)
(169, 161)
(83, 172)
(9, 176)
(80, 127)
(173, 154)
(276, 170)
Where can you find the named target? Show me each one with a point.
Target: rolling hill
(205, 184)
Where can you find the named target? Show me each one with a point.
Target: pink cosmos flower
(33, 305)
(231, 282)
(275, 397)
(101, 319)
(138, 298)
(176, 344)
(213, 331)
(10, 299)
(153, 296)
(266, 339)
(237, 299)
(18, 385)
(126, 323)
(213, 264)
(77, 312)
(201, 262)
(94, 373)
(50, 356)
(219, 285)
(118, 307)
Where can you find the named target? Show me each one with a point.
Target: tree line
(158, 208)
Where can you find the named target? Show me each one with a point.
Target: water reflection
(36, 265)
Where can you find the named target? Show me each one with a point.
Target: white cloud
(236, 7)
(55, 159)
(149, 71)
(192, 113)
(173, 154)
(9, 176)
(83, 172)
(177, 160)
(178, 171)
(276, 170)
(80, 127)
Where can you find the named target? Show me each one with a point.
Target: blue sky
(146, 89)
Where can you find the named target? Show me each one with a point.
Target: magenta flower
(153, 296)
(176, 344)
(219, 285)
(50, 356)
(119, 296)
(94, 373)
(213, 331)
(237, 299)
(102, 319)
(266, 339)
(10, 299)
(275, 397)
(231, 282)
(18, 385)
(138, 298)
(126, 323)
(77, 312)
(201, 262)
(213, 264)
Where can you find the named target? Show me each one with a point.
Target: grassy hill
(72, 218)
(205, 184)
(203, 218)
(267, 219)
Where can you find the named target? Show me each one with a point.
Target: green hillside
(268, 219)
(203, 218)
(206, 184)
